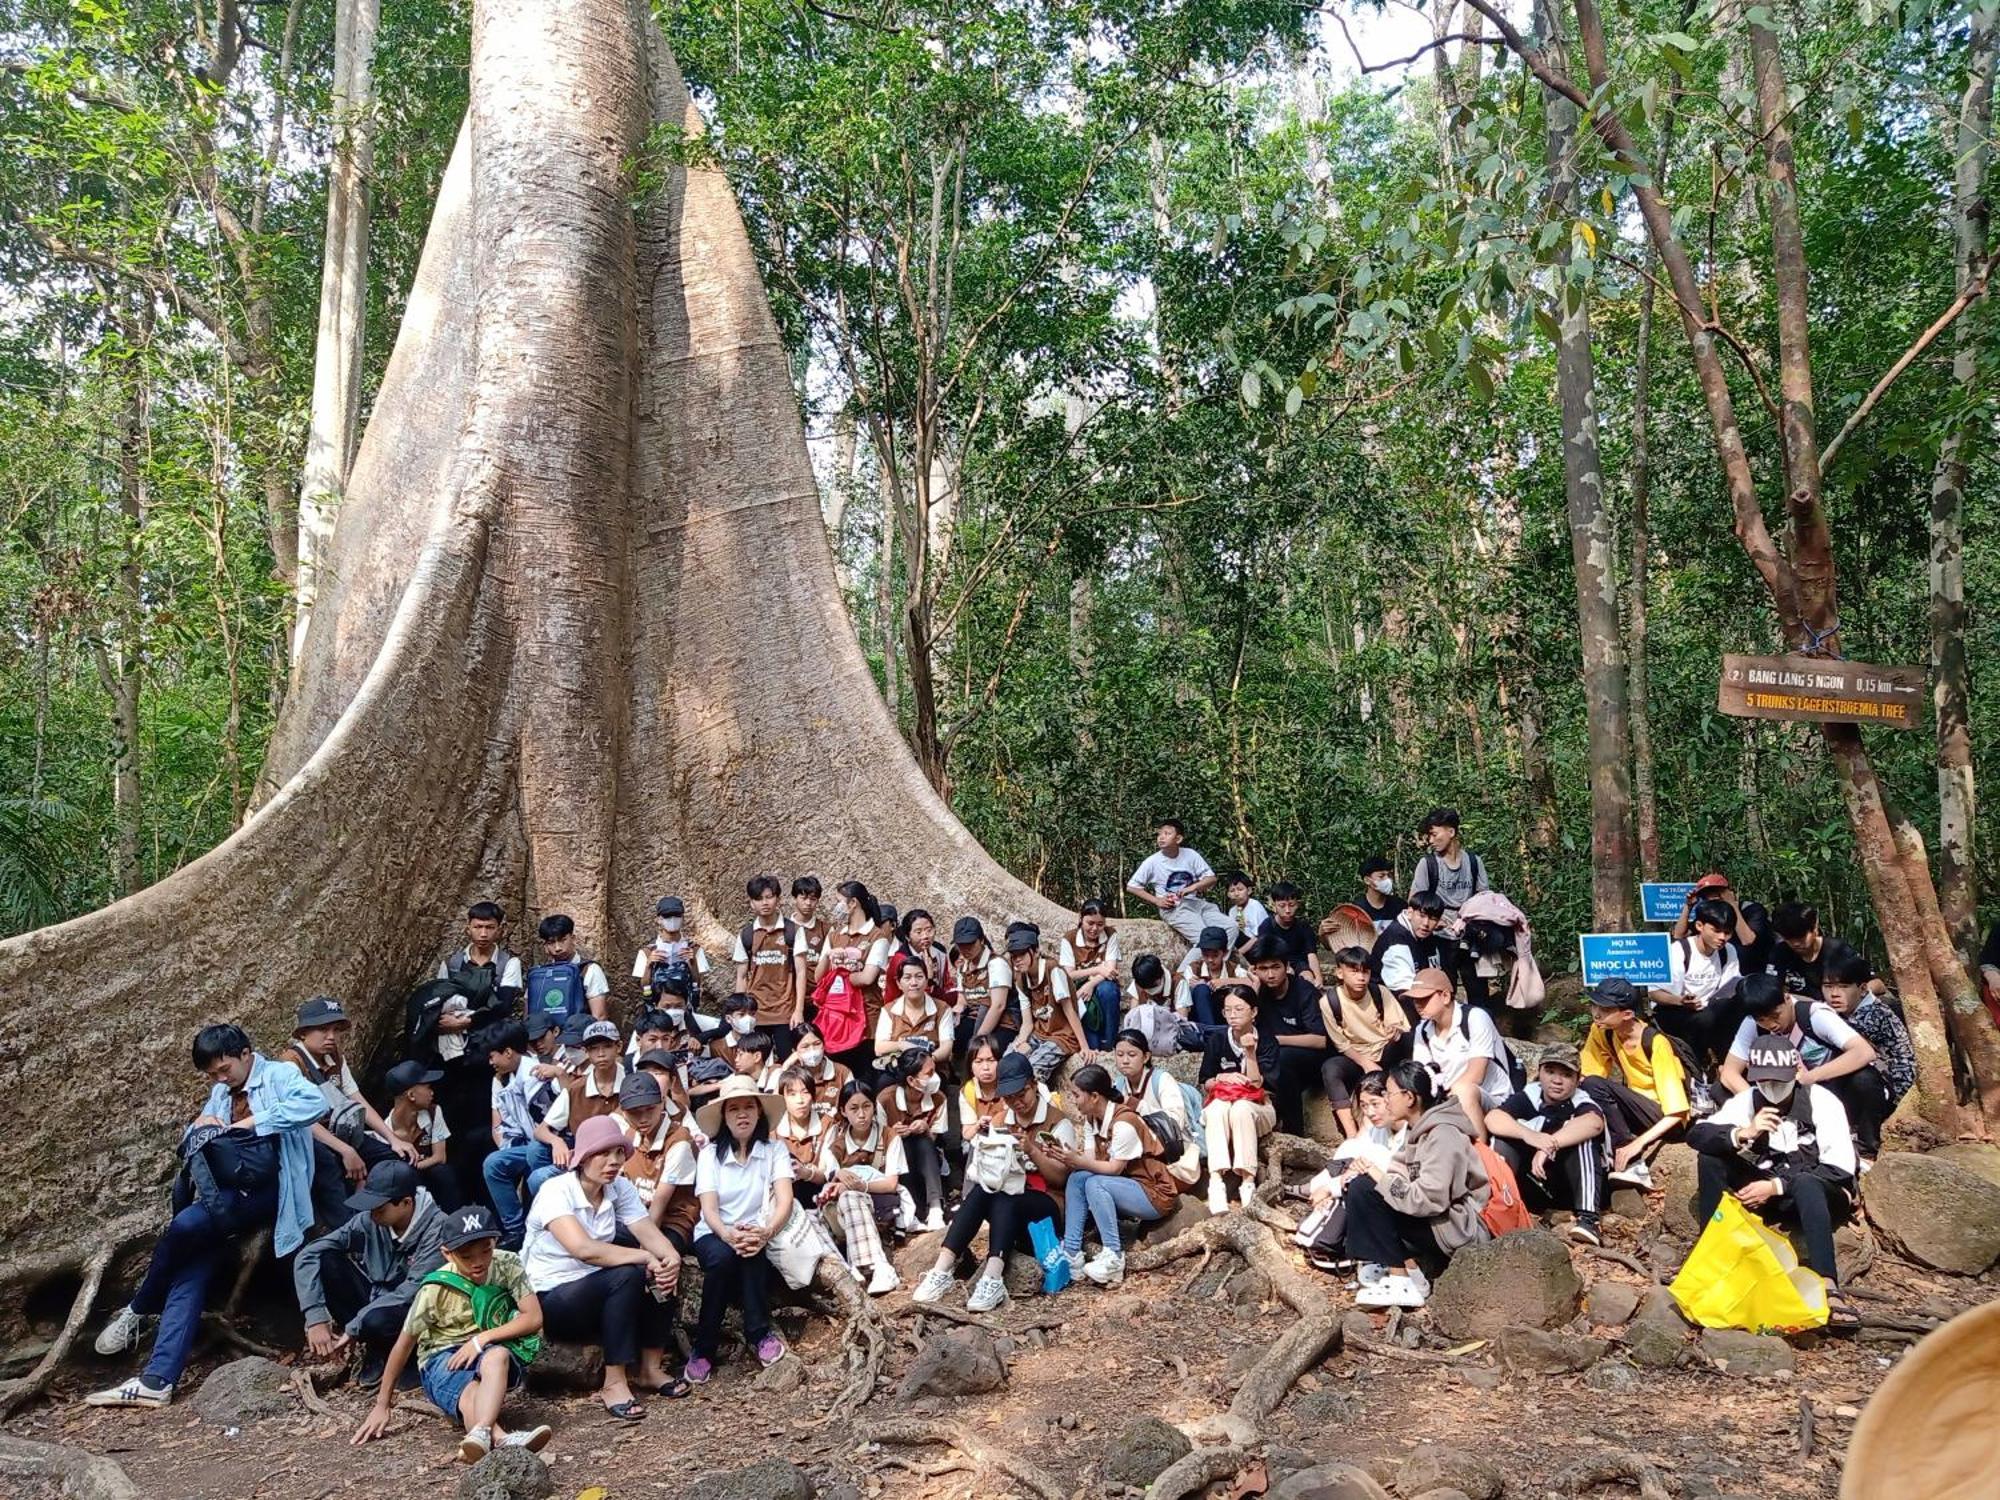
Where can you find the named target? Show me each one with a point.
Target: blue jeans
(446, 1386)
(1105, 1032)
(505, 1171)
(184, 1259)
(1105, 1195)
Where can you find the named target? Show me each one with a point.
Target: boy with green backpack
(474, 1327)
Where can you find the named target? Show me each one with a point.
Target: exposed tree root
(1038, 1324)
(1194, 1472)
(15, 1392)
(1397, 1351)
(1617, 1468)
(254, 1250)
(865, 1343)
(217, 1326)
(908, 1432)
(1620, 1258)
(1300, 1347)
(81, 1475)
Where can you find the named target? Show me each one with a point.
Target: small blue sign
(1638, 956)
(1663, 900)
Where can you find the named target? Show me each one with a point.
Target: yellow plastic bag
(1742, 1274)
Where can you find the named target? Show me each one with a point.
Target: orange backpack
(1504, 1211)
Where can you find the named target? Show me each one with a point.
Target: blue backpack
(556, 990)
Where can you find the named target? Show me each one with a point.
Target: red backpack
(838, 1012)
(1504, 1211)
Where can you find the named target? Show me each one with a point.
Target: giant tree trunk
(1613, 862)
(1957, 895)
(579, 644)
(343, 299)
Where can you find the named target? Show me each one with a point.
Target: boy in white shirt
(1172, 879)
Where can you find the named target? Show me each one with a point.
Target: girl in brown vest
(864, 1165)
(916, 938)
(803, 1130)
(914, 1018)
(913, 1110)
(857, 944)
(827, 1077)
(1120, 1168)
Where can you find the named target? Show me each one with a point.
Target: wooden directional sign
(1820, 691)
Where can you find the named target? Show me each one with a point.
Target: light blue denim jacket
(283, 1104)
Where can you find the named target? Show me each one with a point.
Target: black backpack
(1434, 868)
(1173, 1145)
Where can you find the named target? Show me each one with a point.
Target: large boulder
(1330, 1482)
(1434, 1466)
(1144, 1451)
(1981, 1161)
(506, 1474)
(1543, 1351)
(566, 1369)
(1938, 1213)
(244, 1390)
(1676, 1175)
(960, 1362)
(1521, 1280)
(1611, 1304)
(766, 1479)
(1746, 1354)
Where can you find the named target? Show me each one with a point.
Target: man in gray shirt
(365, 1273)
(1448, 867)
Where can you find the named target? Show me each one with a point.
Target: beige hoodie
(1437, 1175)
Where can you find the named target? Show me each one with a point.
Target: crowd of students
(538, 1170)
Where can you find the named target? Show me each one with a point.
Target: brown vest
(905, 1105)
(847, 1153)
(973, 989)
(901, 1027)
(1150, 1171)
(770, 974)
(643, 1167)
(583, 1106)
(1046, 1017)
(805, 1148)
(1088, 954)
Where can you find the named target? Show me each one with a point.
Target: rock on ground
(506, 1474)
(1747, 1354)
(1938, 1213)
(1142, 1452)
(787, 1375)
(960, 1362)
(567, 1369)
(1611, 1304)
(1023, 1275)
(1330, 1482)
(1523, 1279)
(1968, 1156)
(1540, 1351)
(1613, 1377)
(1676, 1174)
(767, 1479)
(1657, 1337)
(1434, 1467)
(1444, 1494)
(244, 1390)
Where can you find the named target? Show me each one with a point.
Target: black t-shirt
(1533, 1111)
(1805, 976)
(1391, 908)
(1298, 940)
(1755, 956)
(1293, 1013)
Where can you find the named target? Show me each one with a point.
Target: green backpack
(491, 1306)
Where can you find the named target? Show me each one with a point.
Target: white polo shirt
(1474, 1042)
(742, 1184)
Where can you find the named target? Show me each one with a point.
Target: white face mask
(811, 1057)
(742, 1025)
(930, 1084)
(1776, 1092)
(1384, 883)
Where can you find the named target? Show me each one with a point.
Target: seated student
(356, 1284)
(827, 1076)
(1367, 1029)
(1833, 1054)
(415, 1120)
(656, 1030)
(755, 1062)
(863, 1166)
(1237, 1112)
(767, 965)
(1405, 1219)
(544, 1055)
(1118, 1166)
(247, 1162)
(1631, 1069)
(1847, 979)
(744, 1181)
(1699, 1003)
(1089, 958)
(802, 1130)
(914, 1018)
(352, 1137)
(660, 1159)
(1011, 1166)
(1323, 1234)
(1378, 892)
(1173, 879)
(672, 957)
(916, 942)
(1412, 944)
(1552, 1134)
(604, 1270)
(1247, 914)
(1800, 954)
(980, 1098)
(739, 1019)
(1156, 1091)
(1782, 1146)
(1149, 1008)
(1462, 1050)
(565, 984)
(473, 1326)
(1288, 1009)
(1292, 932)
(913, 1112)
(984, 982)
(591, 1092)
(1206, 967)
(520, 1152)
(671, 989)
(1051, 1031)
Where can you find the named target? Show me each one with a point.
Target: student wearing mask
(1089, 959)
(826, 1076)
(1154, 1090)
(1288, 1011)
(1832, 1054)
(1378, 892)
(1632, 1070)
(1173, 880)
(1783, 1148)
(913, 1112)
(863, 1166)
(1246, 913)
(672, 955)
(984, 982)
(1367, 1029)
(739, 1019)
(858, 944)
(1406, 1219)
(1051, 1031)
(744, 1181)
(671, 991)
(1552, 1134)
(1207, 967)
(1292, 932)
(1237, 1112)
(1411, 944)
(767, 964)
(1461, 1049)
(1118, 1166)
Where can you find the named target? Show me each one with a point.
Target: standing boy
(813, 928)
(1448, 869)
(767, 969)
(672, 956)
(563, 984)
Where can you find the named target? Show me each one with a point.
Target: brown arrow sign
(1820, 691)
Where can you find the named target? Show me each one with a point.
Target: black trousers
(1709, 1031)
(612, 1307)
(330, 1187)
(729, 1279)
(1006, 1215)
(927, 1168)
(1627, 1112)
(1298, 1070)
(1864, 1094)
(1387, 1236)
(466, 1097)
(1340, 1076)
(1813, 1204)
(1575, 1180)
(347, 1291)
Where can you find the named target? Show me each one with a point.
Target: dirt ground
(1170, 1343)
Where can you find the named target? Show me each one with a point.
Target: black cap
(573, 1028)
(1023, 940)
(1617, 993)
(1771, 1057)
(657, 1057)
(669, 906)
(638, 1090)
(1014, 1075)
(967, 930)
(322, 1010)
(387, 1181)
(1213, 940)
(542, 1022)
(465, 1225)
(410, 1073)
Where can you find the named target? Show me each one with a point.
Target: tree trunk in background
(887, 627)
(1956, 886)
(1966, 1017)
(1613, 859)
(343, 299)
(1645, 804)
(120, 665)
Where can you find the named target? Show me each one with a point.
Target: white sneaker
(1107, 1269)
(1396, 1290)
(1246, 1191)
(884, 1280)
(1370, 1273)
(134, 1392)
(988, 1292)
(475, 1445)
(1639, 1175)
(123, 1332)
(1062, 1254)
(535, 1439)
(934, 1220)
(932, 1286)
(1218, 1194)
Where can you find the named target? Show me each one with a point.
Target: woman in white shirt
(744, 1184)
(1155, 1091)
(604, 1272)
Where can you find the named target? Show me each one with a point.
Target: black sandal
(626, 1411)
(678, 1388)
(1841, 1316)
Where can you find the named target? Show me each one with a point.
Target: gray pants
(1191, 913)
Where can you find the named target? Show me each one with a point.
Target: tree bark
(1966, 1016)
(343, 300)
(1614, 862)
(1644, 799)
(120, 665)
(1951, 692)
